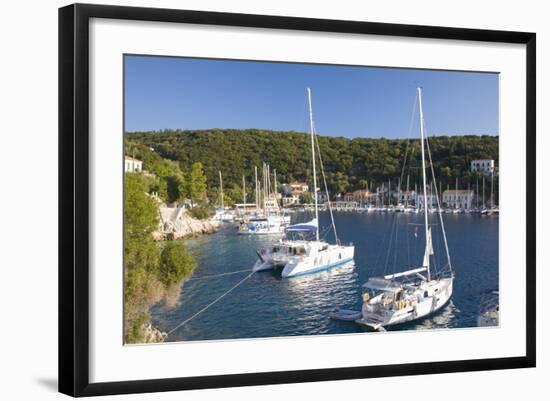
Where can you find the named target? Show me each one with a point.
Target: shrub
(175, 263)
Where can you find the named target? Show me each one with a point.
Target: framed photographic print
(250, 199)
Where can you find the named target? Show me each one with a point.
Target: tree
(307, 198)
(176, 188)
(175, 263)
(141, 255)
(140, 211)
(236, 152)
(197, 183)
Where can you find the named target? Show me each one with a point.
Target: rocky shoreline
(176, 223)
(152, 334)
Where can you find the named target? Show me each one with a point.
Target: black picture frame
(74, 198)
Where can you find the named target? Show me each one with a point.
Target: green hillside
(349, 163)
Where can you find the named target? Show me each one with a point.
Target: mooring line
(210, 304)
(218, 275)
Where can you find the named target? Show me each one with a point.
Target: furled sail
(429, 248)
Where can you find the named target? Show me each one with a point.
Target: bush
(175, 263)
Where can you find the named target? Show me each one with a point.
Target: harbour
(269, 306)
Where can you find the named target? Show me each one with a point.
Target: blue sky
(168, 92)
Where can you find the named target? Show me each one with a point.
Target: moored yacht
(415, 293)
(306, 256)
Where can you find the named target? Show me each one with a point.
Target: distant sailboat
(222, 214)
(271, 221)
(412, 294)
(306, 256)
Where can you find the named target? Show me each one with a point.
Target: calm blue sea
(268, 306)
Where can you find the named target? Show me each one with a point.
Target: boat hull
(334, 256)
(441, 293)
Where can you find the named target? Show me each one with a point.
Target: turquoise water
(267, 306)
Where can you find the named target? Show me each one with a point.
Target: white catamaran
(415, 293)
(305, 256)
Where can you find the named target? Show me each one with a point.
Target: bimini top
(310, 226)
(382, 284)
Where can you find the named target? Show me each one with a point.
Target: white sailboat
(271, 221)
(304, 256)
(415, 293)
(222, 214)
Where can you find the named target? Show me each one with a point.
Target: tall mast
(313, 158)
(492, 199)
(483, 191)
(264, 191)
(426, 227)
(389, 193)
(477, 191)
(407, 197)
(456, 193)
(221, 188)
(275, 181)
(268, 186)
(256, 183)
(275, 188)
(244, 193)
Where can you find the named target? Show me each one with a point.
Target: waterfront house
(348, 197)
(484, 166)
(299, 187)
(431, 198)
(408, 197)
(290, 200)
(458, 198)
(132, 165)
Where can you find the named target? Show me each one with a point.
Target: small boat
(488, 315)
(264, 225)
(346, 315)
(415, 293)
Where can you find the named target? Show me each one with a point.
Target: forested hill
(349, 163)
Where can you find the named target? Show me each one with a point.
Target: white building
(431, 200)
(299, 187)
(132, 165)
(407, 197)
(458, 198)
(290, 200)
(484, 166)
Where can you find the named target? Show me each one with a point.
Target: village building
(431, 200)
(458, 198)
(484, 166)
(407, 197)
(290, 200)
(132, 165)
(348, 197)
(299, 187)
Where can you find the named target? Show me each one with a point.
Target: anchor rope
(210, 304)
(218, 275)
